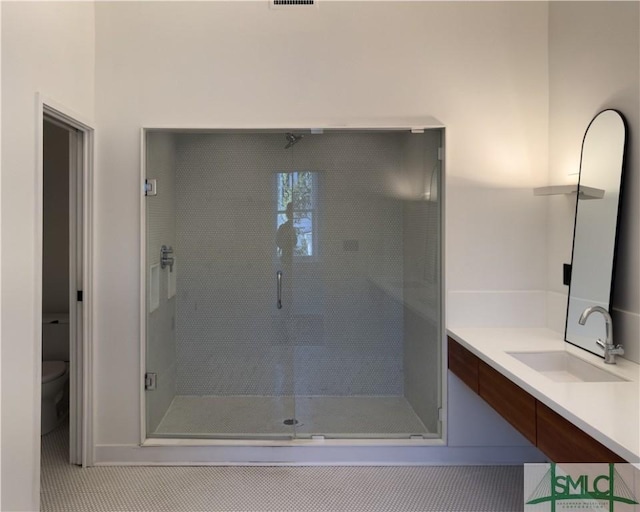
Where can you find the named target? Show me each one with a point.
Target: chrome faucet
(610, 350)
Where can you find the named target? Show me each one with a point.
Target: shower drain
(290, 421)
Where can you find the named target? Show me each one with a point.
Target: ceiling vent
(282, 4)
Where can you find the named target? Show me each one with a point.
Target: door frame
(81, 242)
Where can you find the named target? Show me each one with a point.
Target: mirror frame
(617, 222)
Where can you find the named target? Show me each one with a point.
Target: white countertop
(608, 411)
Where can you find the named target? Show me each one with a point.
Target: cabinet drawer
(463, 364)
(513, 403)
(562, 441)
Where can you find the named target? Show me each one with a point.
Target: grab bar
(279, 289)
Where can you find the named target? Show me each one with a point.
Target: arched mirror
(595, 232)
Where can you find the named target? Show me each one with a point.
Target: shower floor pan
(302, 416)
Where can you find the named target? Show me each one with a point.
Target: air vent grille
(293, 3)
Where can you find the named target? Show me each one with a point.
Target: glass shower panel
(160, 299)
(232, 360)
(365, 313)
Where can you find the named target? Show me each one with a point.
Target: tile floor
(337, 416)
(66, 488)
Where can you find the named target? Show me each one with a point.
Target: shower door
(220, 346)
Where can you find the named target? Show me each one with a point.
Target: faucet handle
(166, 257)
(601, 344)
(617, 350)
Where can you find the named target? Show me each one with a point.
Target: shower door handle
(279, 289)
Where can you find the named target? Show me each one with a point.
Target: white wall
(594, 64)
(46, 47)
(480, 67)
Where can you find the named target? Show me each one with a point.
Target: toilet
(55, 371)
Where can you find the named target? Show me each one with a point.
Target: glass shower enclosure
(293, 284)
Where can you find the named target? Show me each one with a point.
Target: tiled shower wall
(161, 230)
(340, 331)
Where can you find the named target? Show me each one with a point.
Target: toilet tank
(55, 337)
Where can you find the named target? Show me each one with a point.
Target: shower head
(292, 139)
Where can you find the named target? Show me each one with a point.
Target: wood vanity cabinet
(510, 401)
(562, 441)
(556, 437)
(463, 364)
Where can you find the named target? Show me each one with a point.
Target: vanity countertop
(607, 411)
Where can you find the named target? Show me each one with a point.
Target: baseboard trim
(133, 455)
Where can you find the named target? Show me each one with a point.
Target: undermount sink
(562, 366)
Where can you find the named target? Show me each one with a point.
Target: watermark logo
(581, 487)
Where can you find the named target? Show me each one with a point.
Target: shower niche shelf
(556, 190)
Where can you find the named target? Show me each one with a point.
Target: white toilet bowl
(54, 409)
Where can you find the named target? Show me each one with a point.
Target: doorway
(66, 163)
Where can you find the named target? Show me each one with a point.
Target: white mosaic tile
(66, 488)
(338, 416)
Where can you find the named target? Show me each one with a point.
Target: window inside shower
(296, 195)
(304, 297)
